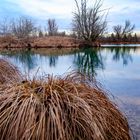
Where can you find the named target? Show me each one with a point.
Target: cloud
(123, 10)
(61, 10)
(44, 8)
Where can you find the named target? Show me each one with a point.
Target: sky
(61, 10)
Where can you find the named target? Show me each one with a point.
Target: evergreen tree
(41, 34)
(135, 38)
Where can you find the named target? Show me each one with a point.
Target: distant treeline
(134, 38)
(23, 27)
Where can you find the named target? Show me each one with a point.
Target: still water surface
(116, 68)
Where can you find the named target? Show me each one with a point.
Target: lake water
(116, 68)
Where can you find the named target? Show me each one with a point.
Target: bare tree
(89, 23)
(52, 27)
(23, 27)
(123, 31)
(5, 27)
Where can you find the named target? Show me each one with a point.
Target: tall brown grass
(8, 72)
(59, 108)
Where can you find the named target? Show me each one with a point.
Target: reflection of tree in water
(88, 61)
(53, 60)
(25, 57)
(122, 53)
(29, 58)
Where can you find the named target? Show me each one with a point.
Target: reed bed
(8, 73)
(56, 108)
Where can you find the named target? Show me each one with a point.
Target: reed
(56, 108)
(8, 72)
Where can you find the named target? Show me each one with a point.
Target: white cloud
(45, 8)
(63, 8)
(122, 6)
(120, 10)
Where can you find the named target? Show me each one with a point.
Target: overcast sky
(61, 10)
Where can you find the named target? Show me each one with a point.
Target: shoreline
(56, 42)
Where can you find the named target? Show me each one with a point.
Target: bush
(8, 73)
(56, 108)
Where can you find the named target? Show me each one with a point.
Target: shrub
(57, 108)
(8, 72)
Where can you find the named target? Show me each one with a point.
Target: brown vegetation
(56, 108)
(40, 42)
(8, 73)
(56, 41)
(45, 42)
(13, 42)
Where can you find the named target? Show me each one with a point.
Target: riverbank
(118, 43)
(10, 42)
(45, 42)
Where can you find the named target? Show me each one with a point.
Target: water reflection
(53, 61)
(26, 57)
(122, 53)
(88, 61)
(29, 59)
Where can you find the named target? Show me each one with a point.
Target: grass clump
(59, 108)
(8, 72)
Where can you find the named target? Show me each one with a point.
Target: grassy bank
(45, 42)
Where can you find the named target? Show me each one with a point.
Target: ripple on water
(133, 116)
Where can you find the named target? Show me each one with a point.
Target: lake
(116, 68)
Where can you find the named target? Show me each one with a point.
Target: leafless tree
(89, 23)
(5, 27)
(23, 27)
(123, 31)
(52, 27)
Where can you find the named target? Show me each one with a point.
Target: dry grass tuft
(8, 72)
(59, 109)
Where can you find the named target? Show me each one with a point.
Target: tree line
(25, 27)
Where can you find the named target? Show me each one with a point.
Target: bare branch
(23, 27)
(122, 32)
(5, 27)
(52, 27)
(89, 23)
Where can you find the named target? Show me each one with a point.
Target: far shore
(53, 42)
(118, 43)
